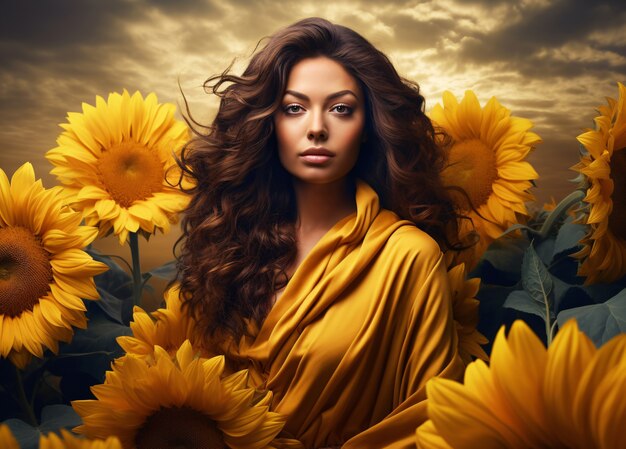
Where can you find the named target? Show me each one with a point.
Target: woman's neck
(320, 206)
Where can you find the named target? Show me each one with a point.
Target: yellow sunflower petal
(68, 441)
(7, 440)
(428, 438)
(155, 399)
(114, 158)
(487, 161)
(568, 357)
(603, 258)
(44, 269)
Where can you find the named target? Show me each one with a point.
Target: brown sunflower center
(179, 428)
(130, 172)
(472, 166)
(617, 219)
(25, 271)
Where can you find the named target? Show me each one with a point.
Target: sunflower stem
(552, 330)
(23, 401)
(137, 278)
(565, 204)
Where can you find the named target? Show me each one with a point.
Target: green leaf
(57, 417)
(568, 238)
(600, 322)
(91, 350)
(522, 301)
(53, 419)
(506, 254)
(112, 306)
(544, 250)
(26, 435)
(166, 271)
(536, 279)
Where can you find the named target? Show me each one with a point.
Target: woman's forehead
(321, 76)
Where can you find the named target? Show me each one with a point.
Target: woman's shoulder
(406, 234)
(410, 242)
(415, 242)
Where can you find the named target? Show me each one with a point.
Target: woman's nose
(317, 127)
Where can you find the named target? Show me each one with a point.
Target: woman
(311, 249)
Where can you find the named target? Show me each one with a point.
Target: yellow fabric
(361, 326)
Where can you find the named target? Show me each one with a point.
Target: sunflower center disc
(617, 219)
(130, 172)
(179, 428)
(472, 167)
(25, 271)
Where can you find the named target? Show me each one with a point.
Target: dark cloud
(51, 24)
(200, 9)
(56, 54)
(534, 32)
(412, 34)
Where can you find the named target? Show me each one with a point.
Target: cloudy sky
(550, 61)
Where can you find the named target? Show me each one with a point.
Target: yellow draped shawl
(361, 326)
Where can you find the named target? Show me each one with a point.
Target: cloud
(550, 61)
(553, 39)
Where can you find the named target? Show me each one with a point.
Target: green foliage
(53, 419)
(166, 271)
(538, 275)
(600, 321)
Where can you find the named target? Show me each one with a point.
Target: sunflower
(167, 328)
(7, 440)
(117, 161)
(568, 396)
(465, 313)
(603, 256)
(44, 274)
(178, 402)
(69, 441)
(486, 160)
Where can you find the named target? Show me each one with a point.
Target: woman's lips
(316, 156)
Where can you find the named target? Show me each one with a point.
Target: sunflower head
(68, 441)
(465, 313)
(181, 401)
(570, 395)
(603, 165)
(117, 160)
(487, 172)
(167, 327)
(44, 274)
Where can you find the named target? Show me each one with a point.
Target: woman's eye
(343, 109)
(292, 109)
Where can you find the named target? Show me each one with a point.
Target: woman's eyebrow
(329, 97)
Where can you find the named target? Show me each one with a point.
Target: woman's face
(319, 126)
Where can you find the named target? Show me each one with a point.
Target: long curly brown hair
(239, 229)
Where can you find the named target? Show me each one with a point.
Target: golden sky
(552, 62)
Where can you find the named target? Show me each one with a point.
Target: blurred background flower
(487, 159)
(7, 440)
(603, 165)
(44, 274)
(465, 313)
(69, 441)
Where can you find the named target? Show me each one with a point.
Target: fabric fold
(363, 323)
